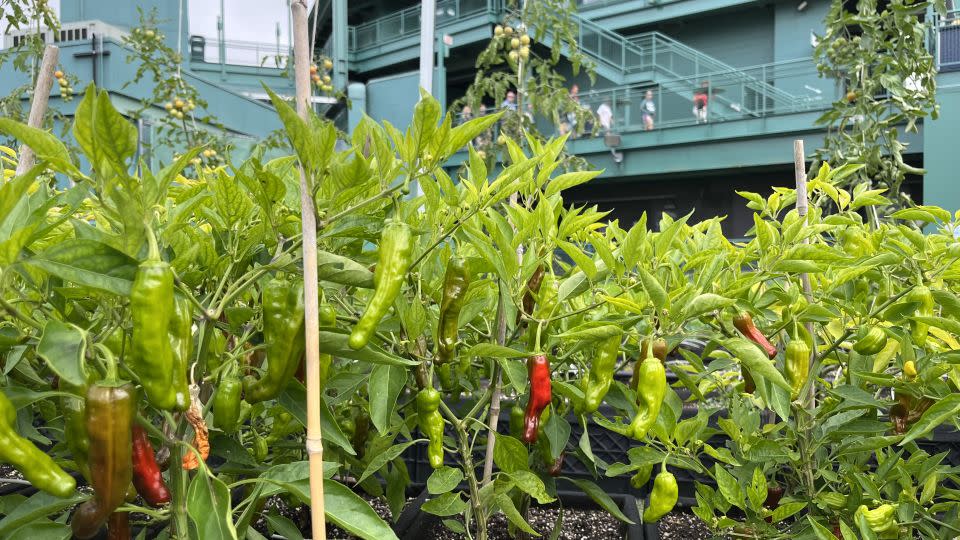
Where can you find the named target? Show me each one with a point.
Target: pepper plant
(149, 300)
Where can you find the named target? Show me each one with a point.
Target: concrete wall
(941, 184)
(739, 38)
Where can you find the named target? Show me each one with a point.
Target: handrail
(673, 98)
(448, 11)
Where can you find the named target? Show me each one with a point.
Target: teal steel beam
(617, 15)
(340, 44)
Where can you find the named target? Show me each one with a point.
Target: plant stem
(495, 397)
(178, 481)
(470, 471)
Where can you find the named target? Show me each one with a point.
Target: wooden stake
(302, 56)
(800, 176)
(41, 95)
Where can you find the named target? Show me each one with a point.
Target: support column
(357, 94)
(428, 12)
(340, 44)
(940, 186)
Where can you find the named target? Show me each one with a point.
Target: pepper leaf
(938, 413)
(600, 497)
(62, 346)
(208, 505)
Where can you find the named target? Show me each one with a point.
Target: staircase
(656, 58)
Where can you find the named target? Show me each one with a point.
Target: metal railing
(675, 59)
(589, 4)
(729, 97)
(406, 22)
(244, 53)
(946, 41)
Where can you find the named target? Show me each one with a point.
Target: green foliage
(879, 54)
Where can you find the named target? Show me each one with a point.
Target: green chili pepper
(35, 465)
(456, 280)
(652, 390)
(663, 497)
(151, 312)
(597, 382)
(881, 520)
(226, 403)
(110, 410)
(431, 424)
(918, 330)
(516, 421)
(361, 432)
(393, 261)
(870, 340)
(447, 378)
(328, 318)
(75, 424)
(181, 344)
(642, 476)
(796, 363)
(547, 300)
(283, 332)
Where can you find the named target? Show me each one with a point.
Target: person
(572, 116)
(510, 103)
(648, 110)
(605, 116)
(700, 98)
(466, 114)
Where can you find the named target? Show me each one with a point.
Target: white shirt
(605, 114)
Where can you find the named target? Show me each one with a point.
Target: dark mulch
(578, 524)
(683, 526)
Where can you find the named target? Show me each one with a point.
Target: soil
(683, 526)
(577, 524)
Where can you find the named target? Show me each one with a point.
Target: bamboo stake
(314, 444)
(807, 393)
(800, 175)
(41, 95)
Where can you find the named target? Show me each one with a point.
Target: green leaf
(654, 289)
(705, 303)
(532, 485)
(39, 505)
(444, 479)
(45, 146)
(294, 400)
(89, 263)
(756, 361)
(380, 460)
(492, 350)
(947, 324)
(115, 136)
(426, 116)
(208, 505)
(283, 526)
(729, 486)
(62, 345)
(343, 271)
(353, 514)
(941, 411)
(468, 131)
(384, 387)
(510, 455)
(822, 532)
(915, 214)
(13, 192)
(786, 510)
(569, 180)
(448, 504)
(335, 342)
(600, 497)
(513, 515)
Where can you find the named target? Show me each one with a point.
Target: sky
(246, 20)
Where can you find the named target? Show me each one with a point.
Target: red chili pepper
(146, 473)
(538, 370)
(744, 323)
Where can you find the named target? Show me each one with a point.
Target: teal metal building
(754, 55)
